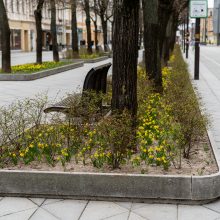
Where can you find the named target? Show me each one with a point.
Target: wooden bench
(95, 81)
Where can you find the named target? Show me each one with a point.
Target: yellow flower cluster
(32, 67)
(153, 131)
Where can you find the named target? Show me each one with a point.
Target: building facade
(207, 35)
(23, 29)
(216, 20)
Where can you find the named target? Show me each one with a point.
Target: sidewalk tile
(37, 201)
(9, 205)
(23, 215)
(215, 206)
(157, 211)
(196, 212)
(42, 214)
(67, 209)
(97, 210)
(134, 216)
(122, 216)
(126, 205)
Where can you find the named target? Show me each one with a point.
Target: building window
(18, 6)
(12, 6)
(15, 39)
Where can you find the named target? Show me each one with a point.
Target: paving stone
(37, 201)
(157, 211)
(137, 206)
(126, 205)
(9, 205)
(48, 201)
(122, 216)
(42, 214)
(134, 216)
(215, 206)
(67, 209)
(97, 210)
(196, 212)
(23, 215)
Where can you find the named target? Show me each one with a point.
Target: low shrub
(168, 127)
(82, 54)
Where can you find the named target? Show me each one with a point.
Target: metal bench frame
(95, 80)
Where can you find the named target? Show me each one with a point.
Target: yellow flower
(40, 145)
(151, 149)
(157, 148)
(31, 145)
(151, 156)
(14, 155)
(22, 154)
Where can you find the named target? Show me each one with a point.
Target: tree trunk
(166, 42)
(151, 42)
(140, 25)
(95, 25)
(164, 12)
(75, 48)
(96, 34)
(125, 53)
(53, 28)
(5, 39)
(38, 19)
(88, 27)
(105, 32)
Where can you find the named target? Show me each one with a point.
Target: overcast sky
(211, 3)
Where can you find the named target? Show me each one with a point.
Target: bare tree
(38, 21)
(54, 31)
(151, 42)
(86, 7)
(95, 20)
(74, 29)
(125, 53)
(5, 39)
(105, 13)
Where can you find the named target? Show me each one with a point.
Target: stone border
(108, 186)
(94, 60)
(41, 74)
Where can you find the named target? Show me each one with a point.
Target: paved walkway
(56, 86)
(53, 209)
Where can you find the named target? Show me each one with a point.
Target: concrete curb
(95, 60)
(123, 187)
(41, 74)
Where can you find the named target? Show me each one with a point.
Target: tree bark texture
(5, 39)
(105, 32)
(75, 47)
(151, 42)
(125, 53)
(88, 26)
(96, 34)
(164, 12)
(38, 20)
(95, 25)
(53, 28)
(140, 25)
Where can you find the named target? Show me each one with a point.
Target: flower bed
(30, 68)
(171, 133)
(38, 71)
